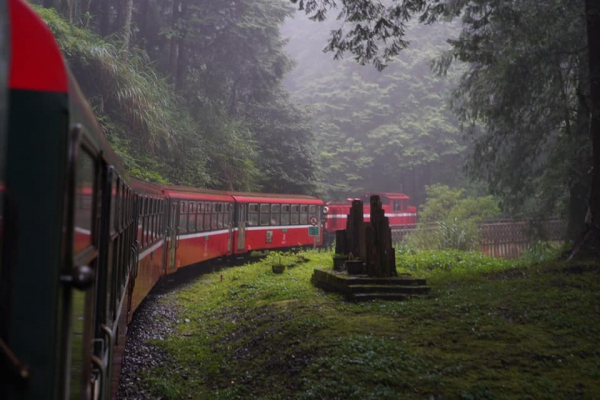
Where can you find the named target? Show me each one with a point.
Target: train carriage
(82, 242)
(270, 221)
(200, 226)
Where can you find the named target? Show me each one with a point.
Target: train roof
(276, 198)
(184, 192)
(393, 196)
(35, 60)
(190, 193)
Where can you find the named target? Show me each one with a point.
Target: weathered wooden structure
(369, 260)
(369, 242)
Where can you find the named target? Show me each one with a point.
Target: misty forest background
(238, 95)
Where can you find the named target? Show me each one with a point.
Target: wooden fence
(505, 238)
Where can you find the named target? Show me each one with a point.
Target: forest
(491, 97)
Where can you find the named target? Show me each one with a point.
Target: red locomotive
(395, 205)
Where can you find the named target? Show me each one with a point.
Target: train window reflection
(295, 216)
(303, 214)
(275, 217)
(285, 214)
(84, 201)
(264, 214)
(253, 214)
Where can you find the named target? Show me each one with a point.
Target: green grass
(491, 329)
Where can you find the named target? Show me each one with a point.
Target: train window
(146, 221)
(253, 214)
(303, 214)
(200, 222)
(295, 215)
(113, 204)
(220, 220)
(213, 223)
(122, 206)
(264, 214)
(228, 214)
(140, 229)
(84, 201)
(183, 218)
(397, 205)
(142, 221)
(285, 214)
(275, 216)
(154, 219)
(312, 210)
(192, 218)
(207, 216)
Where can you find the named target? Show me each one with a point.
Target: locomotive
(401, 215)
(82, 242)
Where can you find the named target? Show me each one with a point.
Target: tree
(374, 25)
(388, 131)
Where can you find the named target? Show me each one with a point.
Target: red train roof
(393, 196)
(277, 198)
(35, 60)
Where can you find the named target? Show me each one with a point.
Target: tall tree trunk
(126, 28)
(592, 10)
(143, 23)
(579, 182)
(66, 9)
(49, 3)
(104, 19)
(181, 59)
(174, 45)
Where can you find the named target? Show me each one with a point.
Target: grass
(491, 329)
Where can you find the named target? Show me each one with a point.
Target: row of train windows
(151, 224)
(204, 216)
(280, 214)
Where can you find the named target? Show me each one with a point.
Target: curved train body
(82, 243)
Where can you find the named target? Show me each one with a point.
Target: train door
(172, 236)
(241, 225)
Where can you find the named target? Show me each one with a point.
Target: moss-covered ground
(490, 329)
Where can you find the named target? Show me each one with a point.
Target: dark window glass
(295, 215)
(264, 214)
(183, 218)
(253, 214)
(84, 201)
(285, 214)
(275, 216)
(213, 224)
(303, 215)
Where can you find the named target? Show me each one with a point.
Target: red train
(82, 243)
(395, 205)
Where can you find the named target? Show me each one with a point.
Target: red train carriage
(199, 227)
(149, 248)
(268, 221)
(395, 205)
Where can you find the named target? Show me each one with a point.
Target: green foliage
(490, 328)
(192, 95)
(139, 113)
(389, 131)
(449, 220)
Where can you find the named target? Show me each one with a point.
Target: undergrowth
(489, 329)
